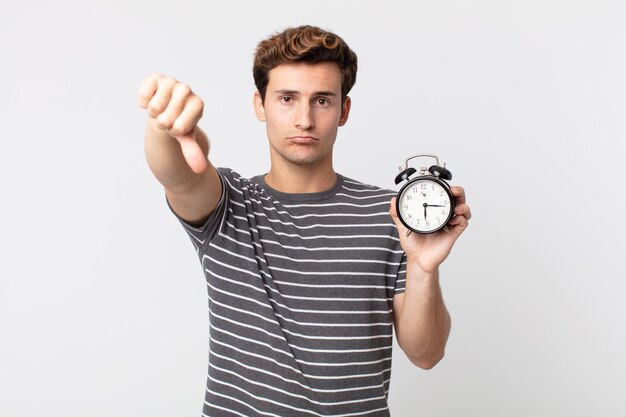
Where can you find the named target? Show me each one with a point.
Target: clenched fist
(174, 108)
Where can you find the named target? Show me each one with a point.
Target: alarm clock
(425, 203)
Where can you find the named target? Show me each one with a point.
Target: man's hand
(430, 250)
(175, 109)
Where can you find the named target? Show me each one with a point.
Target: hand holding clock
(430, 250)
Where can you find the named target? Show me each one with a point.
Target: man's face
(303, 110)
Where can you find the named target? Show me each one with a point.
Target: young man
(308, 272)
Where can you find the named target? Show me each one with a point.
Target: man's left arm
(422, 322)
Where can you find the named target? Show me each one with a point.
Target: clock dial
(424, 205)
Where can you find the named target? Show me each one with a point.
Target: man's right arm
(176, 149)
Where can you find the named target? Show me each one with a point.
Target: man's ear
(345, 111)
(259, 109)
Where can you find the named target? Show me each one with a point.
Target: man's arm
(176, 149)
(421, 320)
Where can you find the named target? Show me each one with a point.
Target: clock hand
(434, 205)
(425, 206)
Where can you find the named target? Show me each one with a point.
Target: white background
(103, 306)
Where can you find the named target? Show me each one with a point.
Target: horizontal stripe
(367, 197)
(263, 242)
(294, 382)
(353, 237)
(303, 324)
(304, 397)
(303, 362)
(275, 403)
(300, 260)
(283, 306)
(256, 215)
(334, 274)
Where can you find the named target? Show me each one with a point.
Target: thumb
(192, 152)
(393, 212)
(392, 206)
(392, 209)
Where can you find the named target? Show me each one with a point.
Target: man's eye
(286, 99)
(322, 101)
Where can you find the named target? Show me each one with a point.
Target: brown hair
(308, 44)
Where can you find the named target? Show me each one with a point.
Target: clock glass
(424, 205)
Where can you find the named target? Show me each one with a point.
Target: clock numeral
(409, 197)
(427, 222)
(423, 186)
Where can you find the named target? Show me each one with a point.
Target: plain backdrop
(103, 308)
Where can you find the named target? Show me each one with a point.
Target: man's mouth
(303, 140)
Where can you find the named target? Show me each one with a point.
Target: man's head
(304, 44)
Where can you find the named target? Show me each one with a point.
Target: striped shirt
(300, 290)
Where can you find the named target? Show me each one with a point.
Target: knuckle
(195, 106)
(152, 79)
(165, 82)
(183, 89)
(196, 102)
(164, 121)
(142, 99)
(178, 128)
(154, 109)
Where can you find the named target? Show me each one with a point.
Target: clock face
(424, 205)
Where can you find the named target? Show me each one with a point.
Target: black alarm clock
(425, 203)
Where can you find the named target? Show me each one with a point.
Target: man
(307, 271)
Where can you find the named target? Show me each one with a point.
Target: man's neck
(301, 179)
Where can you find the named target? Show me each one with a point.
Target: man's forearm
(176, 149)
(424, 323)
(166, 159)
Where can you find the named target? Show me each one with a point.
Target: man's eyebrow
(325, 93)
(295, 92)
(289, 92)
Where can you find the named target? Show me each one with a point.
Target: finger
(393, 212)
(175, 106)
(188, 117)
(147, 88)
(161, 97)
(392, 208)
(458, 223)
(192, 152)
(458, 193)
(463, 210)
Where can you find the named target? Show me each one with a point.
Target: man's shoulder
(229, 173)
(234, 179)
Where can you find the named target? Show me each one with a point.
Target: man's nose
(304, 117)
